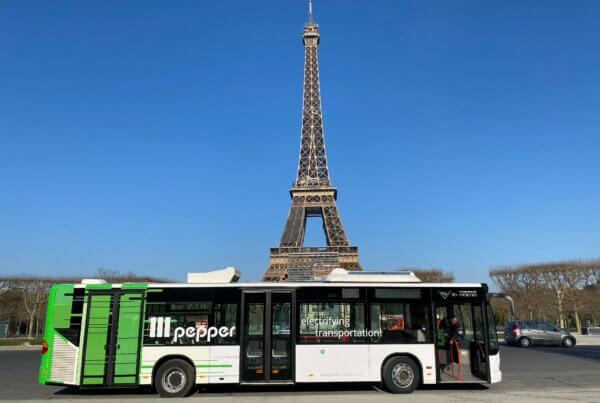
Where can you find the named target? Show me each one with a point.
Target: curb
(21, 347)
(579, 341)
(585, 341)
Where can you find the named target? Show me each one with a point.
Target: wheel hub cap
(174, 380)
(402, 375)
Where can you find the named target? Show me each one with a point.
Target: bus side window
(68, 311)
(225, 315)
(332, 322)
(440, 314)
(493, 335)
(399, 322)
(192, 317)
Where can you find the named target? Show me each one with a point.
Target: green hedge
(18, 342)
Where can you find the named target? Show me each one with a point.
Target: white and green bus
(379, 327)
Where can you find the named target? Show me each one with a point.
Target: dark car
(536, 332)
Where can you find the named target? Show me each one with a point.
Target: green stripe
(102, 286)
(200, 366)
(136, 286)
(214, 366)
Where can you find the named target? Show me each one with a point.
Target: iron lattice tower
(312, 193)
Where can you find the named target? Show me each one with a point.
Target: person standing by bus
(450, 328)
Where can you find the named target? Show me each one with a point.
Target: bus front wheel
(174, 378)
(401, 375)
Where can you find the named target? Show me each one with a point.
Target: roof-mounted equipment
(226, 275)
(395, 276)
(87, 281)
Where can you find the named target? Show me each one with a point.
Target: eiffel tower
(312, 193)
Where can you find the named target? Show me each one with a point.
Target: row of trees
(566, 293)
(23, 299)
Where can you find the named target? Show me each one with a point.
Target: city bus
(387, 328)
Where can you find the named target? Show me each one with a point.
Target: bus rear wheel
(174, 378)
(401, 375)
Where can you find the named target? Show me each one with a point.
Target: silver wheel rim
(402, 375)
(174, 380)
(525, 342)
(568, 342)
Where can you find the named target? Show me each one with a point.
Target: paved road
(534, 374)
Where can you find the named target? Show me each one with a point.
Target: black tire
(568, 342)
(401, 375)
(524, 342)
(174, 378)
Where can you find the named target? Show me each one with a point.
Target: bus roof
(338, 277)
(300, 284)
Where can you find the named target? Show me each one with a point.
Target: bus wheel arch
(403, 359)
(181, 362)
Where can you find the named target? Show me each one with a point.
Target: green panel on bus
(97, 337)
(58, 315)
(128, 338)
(94, 381)
(63, 301)
(125, 379)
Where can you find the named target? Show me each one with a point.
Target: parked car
(536, 332)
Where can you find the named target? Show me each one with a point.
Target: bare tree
(554, 290)
(433, 275)
(24, 298)
(31, 294)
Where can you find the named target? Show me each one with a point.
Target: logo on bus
(160, 327)
(444, 294)
(458, 293)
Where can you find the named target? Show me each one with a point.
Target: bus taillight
(44, 346)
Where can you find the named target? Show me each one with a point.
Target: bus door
(465, 357)
(112, 337)
(267, 345)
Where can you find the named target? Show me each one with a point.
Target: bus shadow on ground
(455, 386)
(74, 390)
(326, 388)
(321, 388)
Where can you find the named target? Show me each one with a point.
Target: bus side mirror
(505, 297)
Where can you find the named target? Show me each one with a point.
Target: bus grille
(64, 361)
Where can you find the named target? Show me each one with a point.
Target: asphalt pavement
(533, 374)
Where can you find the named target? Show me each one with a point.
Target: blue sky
(162, 137)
